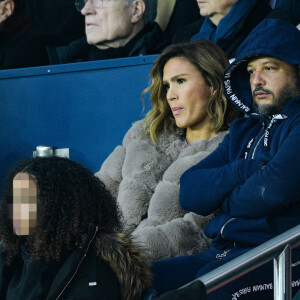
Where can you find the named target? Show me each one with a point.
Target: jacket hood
(271, 37)
(128, 262)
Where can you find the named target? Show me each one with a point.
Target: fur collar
(127, 261)
(172, 144)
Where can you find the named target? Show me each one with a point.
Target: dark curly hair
(69, 198)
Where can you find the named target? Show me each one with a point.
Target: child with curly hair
(59, 237)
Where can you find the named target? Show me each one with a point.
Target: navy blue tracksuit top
(256, 203)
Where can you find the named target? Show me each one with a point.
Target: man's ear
(6, 10)
(138, 10)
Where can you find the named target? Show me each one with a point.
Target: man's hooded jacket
(253, 177)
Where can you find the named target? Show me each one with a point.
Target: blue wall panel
(87, 107)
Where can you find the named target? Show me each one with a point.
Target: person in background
(114, 29)
(189, 118)
(20, 45)
(253, 177)
(227, 23)
(59, 237)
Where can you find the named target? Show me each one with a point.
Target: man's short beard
(288, 92)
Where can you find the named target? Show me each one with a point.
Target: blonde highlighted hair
(210, 61)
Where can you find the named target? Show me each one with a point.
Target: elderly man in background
(113, 23)
(114, 29)
(227, 23)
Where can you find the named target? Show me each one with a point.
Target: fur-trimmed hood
(108, 264)
(127, 261)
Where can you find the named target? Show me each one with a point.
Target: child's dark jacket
(108, 267)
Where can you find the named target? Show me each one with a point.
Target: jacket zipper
(252, 156)
(231, 219)
(254, 150)
(87, 249)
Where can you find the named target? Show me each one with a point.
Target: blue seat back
(87, 107)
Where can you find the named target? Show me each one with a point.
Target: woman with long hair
(189, 118)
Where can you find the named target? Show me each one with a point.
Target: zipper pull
(222, 254)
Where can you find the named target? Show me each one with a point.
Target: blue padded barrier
(87, 107)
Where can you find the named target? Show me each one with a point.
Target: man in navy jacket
(252, 180)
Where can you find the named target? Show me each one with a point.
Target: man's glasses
(95, 3)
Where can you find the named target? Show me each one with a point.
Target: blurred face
(24, 210)
(187, 93)
(108, 23)
(215, 8)
(273, 83)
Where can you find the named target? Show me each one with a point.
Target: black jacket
(107, 267)
(148, 41)
(21, 45)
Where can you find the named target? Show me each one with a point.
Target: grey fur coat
(145, 180)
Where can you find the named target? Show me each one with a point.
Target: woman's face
(24, 210)
(187, 93)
